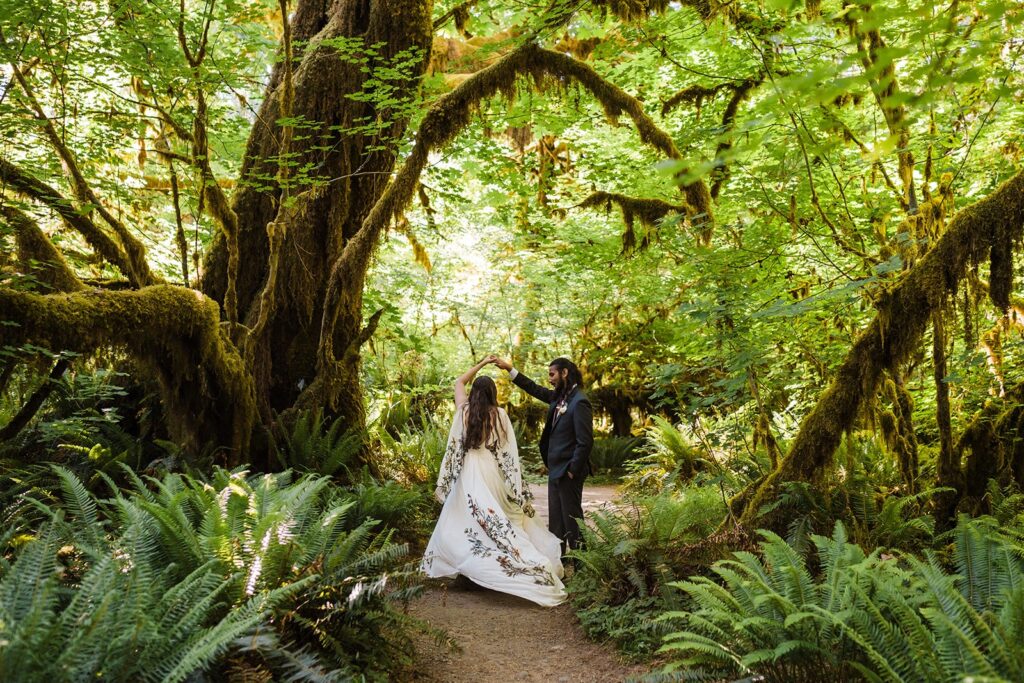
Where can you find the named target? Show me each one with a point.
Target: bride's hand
(500, 362)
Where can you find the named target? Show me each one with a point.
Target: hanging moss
(649, 211)
(617, 102)
(740, 92)
(899, 434)
(172, 332)
(23, 183)
(694, 95)
(37, 256)
(697, 95)
(635, 10)
(992, 224)
(460, 13)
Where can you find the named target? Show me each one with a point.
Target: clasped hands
(492, 359)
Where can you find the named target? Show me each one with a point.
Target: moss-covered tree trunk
(948, 469)
(348, 172)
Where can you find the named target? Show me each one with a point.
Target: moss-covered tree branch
(445, 119)
(174, 336)
(35, 401)
(616, 102)
(36, 254)
(24, 184)
(133, 249)
(988, 229)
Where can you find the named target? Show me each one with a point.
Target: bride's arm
(464, 379)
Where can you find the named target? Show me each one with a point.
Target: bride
(487, 531)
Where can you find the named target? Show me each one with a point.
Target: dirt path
(505, 638)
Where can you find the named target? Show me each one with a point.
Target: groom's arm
(583, 425)
(532, 388)
(523, 382)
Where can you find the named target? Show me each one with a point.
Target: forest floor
(505, 638)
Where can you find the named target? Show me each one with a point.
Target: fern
(857, 616)
(313, 444)
(163, 581)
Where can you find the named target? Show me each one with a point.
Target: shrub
(611, 453)
(862, 616)
(313, 590)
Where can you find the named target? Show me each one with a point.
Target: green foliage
(316, 445)
(631, 555)
(859, 616)
(611, 453)
(228, 558)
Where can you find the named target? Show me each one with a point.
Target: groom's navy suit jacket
(567, 439)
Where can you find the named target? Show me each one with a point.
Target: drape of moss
(648, 211)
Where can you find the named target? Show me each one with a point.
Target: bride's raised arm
(465, 378)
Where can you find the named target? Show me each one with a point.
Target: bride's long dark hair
(482, 420)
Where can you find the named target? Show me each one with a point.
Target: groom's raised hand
(500, 362)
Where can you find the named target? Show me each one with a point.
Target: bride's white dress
(487, 530)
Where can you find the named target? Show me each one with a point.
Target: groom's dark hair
(575, 377)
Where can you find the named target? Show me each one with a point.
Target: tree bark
(349, 172)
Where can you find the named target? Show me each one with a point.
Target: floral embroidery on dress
(451, 466)
(516, 493)
(501, 533)
(508, 463)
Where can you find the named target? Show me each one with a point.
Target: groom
(565, 443)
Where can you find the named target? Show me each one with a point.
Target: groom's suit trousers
(565, 507)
